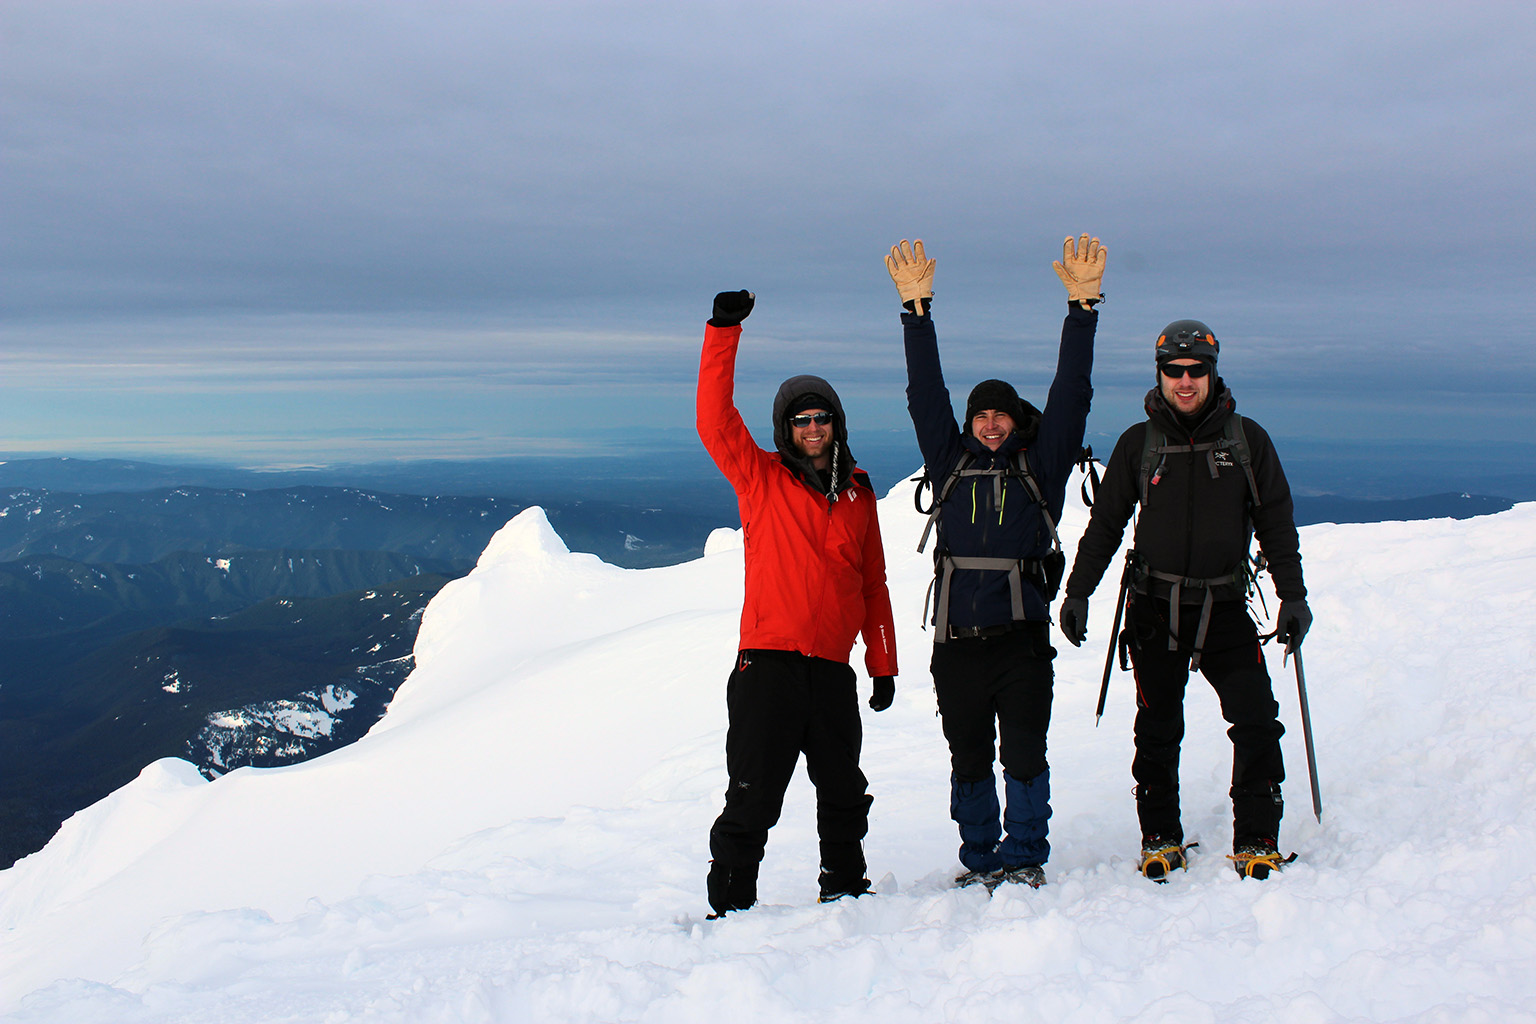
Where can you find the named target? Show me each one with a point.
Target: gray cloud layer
(548, 190)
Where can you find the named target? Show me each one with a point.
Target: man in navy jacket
(1000, 480)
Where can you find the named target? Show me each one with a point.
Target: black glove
(731, 308)
(1074, 619)
(1292, 623)
(884, 693)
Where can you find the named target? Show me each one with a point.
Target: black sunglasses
(1173, 372)
(804, 419)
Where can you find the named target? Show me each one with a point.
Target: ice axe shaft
(1114, 637)
(1306, 734)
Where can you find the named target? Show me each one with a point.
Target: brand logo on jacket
(1223, 458)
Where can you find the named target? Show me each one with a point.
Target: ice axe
(1114, 635)
(1306, 734)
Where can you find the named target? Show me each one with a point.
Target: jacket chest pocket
(845, 532)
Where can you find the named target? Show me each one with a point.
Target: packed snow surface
(523, 836)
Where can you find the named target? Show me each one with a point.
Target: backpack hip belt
(1014, 567)
(1175, 596)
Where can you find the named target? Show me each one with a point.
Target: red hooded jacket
(815, 565)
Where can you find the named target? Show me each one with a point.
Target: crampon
(1032, 875)
(1258, 860)
(1159, 857)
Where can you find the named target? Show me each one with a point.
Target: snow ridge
(522, 837)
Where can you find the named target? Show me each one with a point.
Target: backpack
(1154, 453)
(1046, 573)
(1155, 450)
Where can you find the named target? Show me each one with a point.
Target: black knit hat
(809, 400)
(994, 394)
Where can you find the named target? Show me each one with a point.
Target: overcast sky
(300, 231)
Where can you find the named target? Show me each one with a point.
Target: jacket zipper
(1189, 510)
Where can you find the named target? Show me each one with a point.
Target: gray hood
(842, 458)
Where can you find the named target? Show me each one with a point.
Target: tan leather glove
(1081, 269)
(913, 273)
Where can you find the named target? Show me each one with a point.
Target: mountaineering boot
(730, 887)
(842, 871)
(1159, 856)
(1032, 875)
(1257, 856)
(831, 894)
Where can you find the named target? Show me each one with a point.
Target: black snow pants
(997, 688)
(1233, 662)
(782, 704)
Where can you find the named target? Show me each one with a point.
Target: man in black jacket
(1207, 481)
(996, 548)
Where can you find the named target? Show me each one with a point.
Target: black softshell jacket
(1193, 525)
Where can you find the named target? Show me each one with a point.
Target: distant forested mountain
(275, 683)
(146, 526)
(91, 476)
(44, 595)
(1331, 508)
(228, 625)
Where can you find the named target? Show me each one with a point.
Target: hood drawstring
(832, 491)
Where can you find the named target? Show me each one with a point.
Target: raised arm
(720, 425)
(938, 435)
(1081, 269)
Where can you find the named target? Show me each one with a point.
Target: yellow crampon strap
(1246, 865)
(1170, 857)
(1270, 862)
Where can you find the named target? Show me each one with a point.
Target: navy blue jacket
(970, 523)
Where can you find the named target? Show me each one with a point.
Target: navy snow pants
(994, 696)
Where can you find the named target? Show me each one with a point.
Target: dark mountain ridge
(145, 526)
(43, 595)
(1331, 508)
(138, 527)
(276, 683)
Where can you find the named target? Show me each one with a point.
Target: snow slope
(523, 837)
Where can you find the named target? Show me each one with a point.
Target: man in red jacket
(815, 579)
